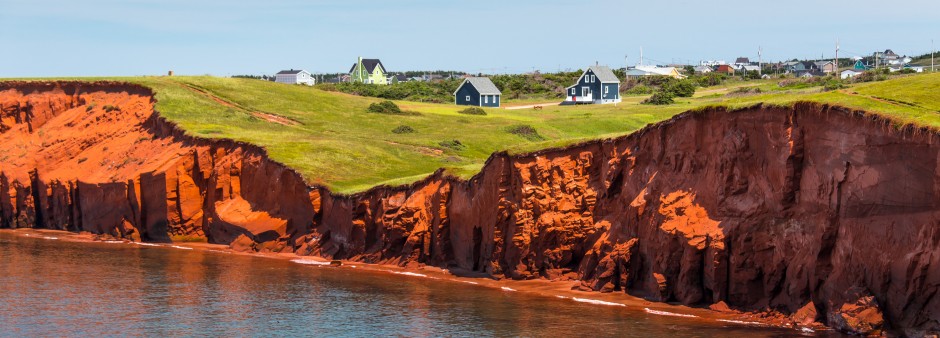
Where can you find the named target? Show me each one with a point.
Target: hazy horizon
(145, 37)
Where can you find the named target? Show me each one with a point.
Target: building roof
(482, 84)
(751, 68)
(742, 60)
(290, 72)
(369, 64)
(604, 74)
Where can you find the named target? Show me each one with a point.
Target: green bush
(473, 111)
(403, 129)
(384, 107)
(660, 98)
(833, 84)
(681, 88)
(109, 108)
(639, 89)
(452, 144)
(389, 108)
(525, 131)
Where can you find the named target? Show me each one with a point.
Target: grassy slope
(339, 145)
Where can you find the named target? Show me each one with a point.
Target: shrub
(403, 129)
(452, 144)
(109, 108)
(833, 84)
(864, 77)
(741, 91)
(525, 131)
(473, 111)
(90, 107)
(660, 98)
(388, 108)
(385, 107)
(681, 88)
(639, 89)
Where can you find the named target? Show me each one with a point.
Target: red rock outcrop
(822, 212)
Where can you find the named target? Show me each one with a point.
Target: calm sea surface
(57, 288)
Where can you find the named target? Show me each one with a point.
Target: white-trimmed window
(606, 89)
(572, 91)
(468, 98)
(584, 91)
(593, 79)
(486, 99)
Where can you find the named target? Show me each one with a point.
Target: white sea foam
(113, 242)
(664, 313)
(51, 238)
(740, 322)
(807, 330)
(146, 244)
(310, 262)
(507, 289)
(469, 282)
(562, 297)
(180, 247)
(409, 274)
(595, 301)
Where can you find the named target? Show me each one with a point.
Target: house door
(586, 91)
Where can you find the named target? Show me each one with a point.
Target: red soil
(820, 212)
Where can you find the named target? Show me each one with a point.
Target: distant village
(598, 84)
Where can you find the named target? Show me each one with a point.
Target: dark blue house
(477, 91)
(598, 85)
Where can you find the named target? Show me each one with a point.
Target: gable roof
(370, 65)
(604, 74)
(742, 60)
(482, 84)
(290, 72)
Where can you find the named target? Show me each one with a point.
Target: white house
(849, 73)
(641, 71)
(295, 77)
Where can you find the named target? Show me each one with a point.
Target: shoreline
(566, 290)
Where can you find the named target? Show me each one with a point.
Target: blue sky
(225, 37)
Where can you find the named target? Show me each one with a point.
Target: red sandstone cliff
(822, 212)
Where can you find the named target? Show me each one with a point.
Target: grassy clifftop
(333, 140)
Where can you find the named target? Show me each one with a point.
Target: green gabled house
(369, 71)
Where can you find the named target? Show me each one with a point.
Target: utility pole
(641, 55)
(626, 64)
(760, 61)
(932, 51)
(837, 58)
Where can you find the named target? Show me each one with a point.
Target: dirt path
(261, 115)
(530, 106)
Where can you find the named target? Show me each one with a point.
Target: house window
(486, 99)
(606, 89)
(468, 98)
(593, 79)
(572, 91)
(585, 91)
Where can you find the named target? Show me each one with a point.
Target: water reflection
(57, 288)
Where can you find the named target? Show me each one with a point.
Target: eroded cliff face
(824, 213)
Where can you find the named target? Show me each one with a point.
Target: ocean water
(54, 288)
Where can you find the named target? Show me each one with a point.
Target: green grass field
(335, 142)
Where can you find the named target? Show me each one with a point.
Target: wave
(739, 322)
(309, 262)
(507, 288)
(596, 302)
(180, 247)
(409, 274)
(671, 314)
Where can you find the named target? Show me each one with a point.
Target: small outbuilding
(295, 77)
(477, 91)
(849, 73)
